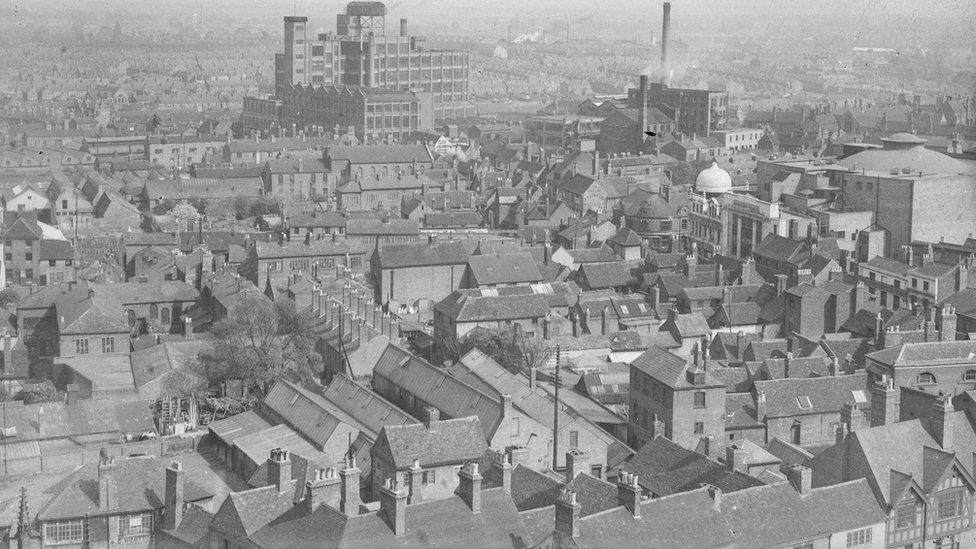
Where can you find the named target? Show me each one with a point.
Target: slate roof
(56, 250)
(422, 254)
(316, 248)
(140, 485)
(888, 265)
(317, 219)
(668, 368)
(406, 227)
(380, 154)
(444, 442)
(665, 468)
(780, 248)
(788, 397)
(472, 306)
(607, 275)
(934, 353)
(439, 389)
(514, 268)
(244, 513)
(368, 407)
(625, 237)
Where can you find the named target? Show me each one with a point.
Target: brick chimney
(947, 330)
(884, 404)
(577, 461)
(469, 486)
(174, 496)
(279, 469)
(518, 455)
(761, 406)
(501, 467)
(851, 416)
(107, 488)
(433, 415)
(735, 459)
(942, 421)
(349, 488)
(416, 483)
(801, 478)
(323, 488)
(568, 514)
(629, 492)
(393, 507)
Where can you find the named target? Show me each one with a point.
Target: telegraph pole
(555, 415)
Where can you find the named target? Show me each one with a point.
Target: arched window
(153, 312)
(926, 377)
(164, 316)
(970, 375)
(131, 316)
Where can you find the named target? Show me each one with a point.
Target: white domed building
(713, 181)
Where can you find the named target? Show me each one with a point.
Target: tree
(184, 213)
(44, 391)
(221, 210)
(515, 350)
(8, 297)
(261, 341)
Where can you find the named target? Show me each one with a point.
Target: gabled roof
(669, 369)
(665, 468)
(422, 254)
(368, 407)
(140, 485)
(780, 248)
(450, 441)
(503, 269)
(791, 397)
(439, 389)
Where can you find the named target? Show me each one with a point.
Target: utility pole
(555, 415)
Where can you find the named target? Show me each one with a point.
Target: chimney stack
(735, 459)
(801, 478)
(174, 496)
(942, 421)
(416, 483)
(107, 488)
(577, 461)
(349, 488)
(665, 47)
(469, 486)
(568, 514)
(502, 468)
(324, 487)
(629, 493)
(393, 507)
(279, 469)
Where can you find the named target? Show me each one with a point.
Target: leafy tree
(184, 213)
(221, 210)
(8, 297)
(41, 392)
(515, 350)
(261, 341)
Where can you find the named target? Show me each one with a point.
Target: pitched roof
(447, 441)
(668, 368)
(140, 485)
(803, 396)
(946, 352)
(368, 407)
(665, 468)
(503, 269)
(418, 255)
(437, 388)
(607, 275)
(780, 248)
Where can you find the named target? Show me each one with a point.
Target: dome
(906, 153)
(713, 180)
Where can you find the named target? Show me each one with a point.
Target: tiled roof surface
(789, 397)
(444, 442)
(665, 468)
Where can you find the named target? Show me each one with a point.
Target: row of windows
(81, 345)
(929, 378)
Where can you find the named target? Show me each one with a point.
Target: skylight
(804, 402)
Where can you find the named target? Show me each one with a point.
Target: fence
(57, 462)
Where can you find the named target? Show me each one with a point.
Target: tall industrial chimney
(665, 38)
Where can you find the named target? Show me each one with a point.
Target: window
(926, 377)
(970, 375)
(81, 346)
(64, 204)
(68, 531)
(914, 283)
(949, 505)
(108, 344)
(699, 428)
(164, 316)
(430, 476)
(29, 256)
(699, 399)
(135, 525)
(153, 311)
(515, 426)
(925, 285)
(574, 439)
(859, 537)
(905, 514)
(804, 546)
